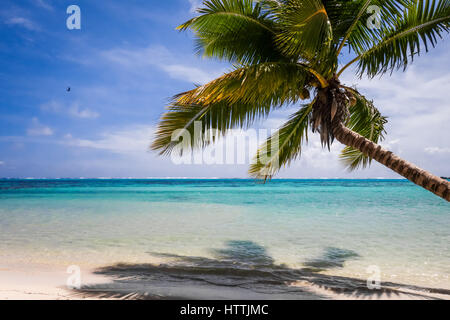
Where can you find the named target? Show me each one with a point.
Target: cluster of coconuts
(330, 108)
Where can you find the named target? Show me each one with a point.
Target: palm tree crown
(286, 51)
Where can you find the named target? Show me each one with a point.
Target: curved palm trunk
(406, 169)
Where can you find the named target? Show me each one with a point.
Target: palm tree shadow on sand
(243, 270)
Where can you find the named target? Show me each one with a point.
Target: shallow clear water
(337, 227)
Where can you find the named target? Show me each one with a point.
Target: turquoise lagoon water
(333, 227)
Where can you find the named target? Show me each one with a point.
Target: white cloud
(74, 110)
(417, 108)
(38, 129)
(194, 5)
(23, 22)
(187, 73)
(418, 90)
(135, 139)
(43, 4)
(158, 56)
(52, 106)
(437, 150)
(2, 163)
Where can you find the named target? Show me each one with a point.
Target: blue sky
(124, 65)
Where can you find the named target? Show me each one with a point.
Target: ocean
(231, 232)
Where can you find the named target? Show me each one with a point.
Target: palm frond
(306, 32)
(366, 120)
(282, 147)
(201, 123)
(341, 14)
(416, 29)
(239, 31)
(236, 99)
(355, 29)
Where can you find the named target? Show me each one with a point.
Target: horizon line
(192, 178)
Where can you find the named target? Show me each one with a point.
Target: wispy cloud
(437, 150)
(158, 56)
(44, 4)
(190, 74)
(77, 112)
(38, 129)
(134, 139)
(22, 22)
(195, 4)
(417, 108)
(74, 110)
(2, 163)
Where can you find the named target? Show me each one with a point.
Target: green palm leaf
(418, 28)
(366, 120)
(236, 30)
(355, 30)
(282, 147)
(236, 99)
(306, 31)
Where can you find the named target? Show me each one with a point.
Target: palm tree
(285, 51)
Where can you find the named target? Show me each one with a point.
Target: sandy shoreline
(38, 282)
